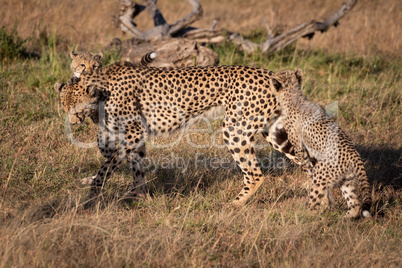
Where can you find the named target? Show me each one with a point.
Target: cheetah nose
(75, 119)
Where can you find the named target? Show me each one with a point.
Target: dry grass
(199, 230)
(188, 219)
(370, 28)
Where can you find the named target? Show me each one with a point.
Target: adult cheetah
(138, 101)
(321, 146)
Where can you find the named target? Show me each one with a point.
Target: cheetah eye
(82, 65)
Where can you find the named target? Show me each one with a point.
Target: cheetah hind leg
(242, 149)
(137, 189)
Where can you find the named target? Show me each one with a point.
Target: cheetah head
(85, 62)
(78, 102)
(286, 83)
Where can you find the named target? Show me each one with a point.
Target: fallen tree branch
(187, 20)
(174, 52)
(129, 10)
(180, 28)
(125, 19)
(306, 29)
(154, 12)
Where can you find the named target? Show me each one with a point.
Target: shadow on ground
(383, 165)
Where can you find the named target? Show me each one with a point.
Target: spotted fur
(321, 146)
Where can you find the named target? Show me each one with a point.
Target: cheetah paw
(307, 185)
(238, 203)
(352, 214)
(88, 180)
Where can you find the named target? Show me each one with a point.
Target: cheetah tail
(366, 193)
(147, 58)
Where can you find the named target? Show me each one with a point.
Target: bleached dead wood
(129, 10)
(181, 28)
(307, 29)
(174, 52)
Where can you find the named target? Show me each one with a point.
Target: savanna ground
(188, 219)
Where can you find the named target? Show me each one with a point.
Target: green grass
(188, 220)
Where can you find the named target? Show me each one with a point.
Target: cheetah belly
(169, 119)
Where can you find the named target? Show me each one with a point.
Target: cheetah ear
(58, 87)
(275, 85)
(299, 75)
(93, 91)
(99, 56)
(73, 54)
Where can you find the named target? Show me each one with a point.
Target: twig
(268, 28)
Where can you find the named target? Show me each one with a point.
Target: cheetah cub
(83, 62)
(321, 147)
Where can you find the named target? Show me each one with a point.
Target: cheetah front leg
(108, 146)
(103, 175)
(127, 141)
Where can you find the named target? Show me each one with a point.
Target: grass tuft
(11, 45)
